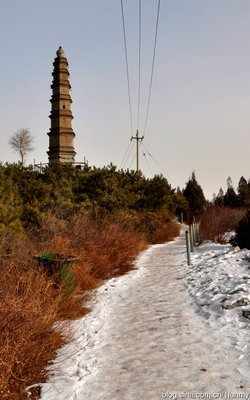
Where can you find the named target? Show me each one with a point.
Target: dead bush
(167, 232)
(216, 222)
(28, 309)
(105, 248)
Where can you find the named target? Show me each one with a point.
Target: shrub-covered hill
(26, 195)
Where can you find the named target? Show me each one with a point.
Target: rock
(246, 313)
(235, 291)
(236, 249)
(228, 305)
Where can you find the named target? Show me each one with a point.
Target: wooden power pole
(137, 138)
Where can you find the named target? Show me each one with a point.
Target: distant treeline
(26, 194)
(232, 198)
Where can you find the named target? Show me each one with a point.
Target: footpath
(144, 340)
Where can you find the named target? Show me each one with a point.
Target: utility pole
(137, 138)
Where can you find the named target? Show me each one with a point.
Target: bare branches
(21, 142)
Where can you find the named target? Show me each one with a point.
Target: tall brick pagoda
(61, 135)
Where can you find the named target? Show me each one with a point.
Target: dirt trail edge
(143, 340)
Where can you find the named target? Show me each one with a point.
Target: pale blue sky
(199, 117)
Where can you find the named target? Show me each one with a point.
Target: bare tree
(21, 142)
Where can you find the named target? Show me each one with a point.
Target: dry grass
(110, 250)
(216, 222)
(28, 309)
(167, 232)
(30, 302)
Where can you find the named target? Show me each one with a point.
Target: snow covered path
(144, 339)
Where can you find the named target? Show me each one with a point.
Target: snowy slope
(163, 328)
(219, 283)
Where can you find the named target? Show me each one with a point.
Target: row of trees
(21, 142)
(110, 189)
(227, 211)
(232, 198)
(105, 190)
(26, 193)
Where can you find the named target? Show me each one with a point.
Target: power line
(126, 155)
(126, 58)
(138, 138)
(160, 166)
(132, 161)
(139, 70)
(147, 162)
(153, 64)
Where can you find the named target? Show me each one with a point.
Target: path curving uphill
(144, 340)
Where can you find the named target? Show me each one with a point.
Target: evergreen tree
(10, 203)
(242, 237)
(195, 196)
(230, 198)
(218, 200)
(157, 194)
(181, 204)
(243, 193)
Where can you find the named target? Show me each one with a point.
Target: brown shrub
(216, 222)
(167, 232)
(28, 309)
(154, 226)
(104, 248)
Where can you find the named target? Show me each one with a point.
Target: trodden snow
(164, 330)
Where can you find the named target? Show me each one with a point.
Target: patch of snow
(221, 274)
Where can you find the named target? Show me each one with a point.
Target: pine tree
(242, 237)
(195, 196)
(230, 197)
(243, 193)
(218, 200)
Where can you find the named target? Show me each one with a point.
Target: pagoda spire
(61, 135)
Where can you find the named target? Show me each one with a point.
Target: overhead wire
(147, 162)
(139, 70)
(129, 149)
(126, 155)
(127, 70)
(133, 159)
(160, 166)
(153, 65)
